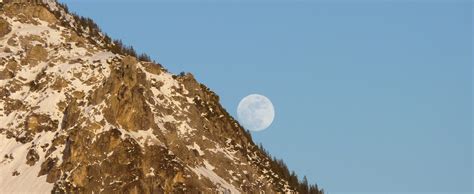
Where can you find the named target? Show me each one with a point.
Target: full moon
(255, 112)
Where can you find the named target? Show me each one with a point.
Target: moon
(255, 112)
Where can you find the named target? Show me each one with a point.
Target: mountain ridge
(80, 112)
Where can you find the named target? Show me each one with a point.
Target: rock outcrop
(4, 27)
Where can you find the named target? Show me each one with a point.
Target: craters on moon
(255, 112)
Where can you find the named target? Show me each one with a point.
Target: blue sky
(370, 96)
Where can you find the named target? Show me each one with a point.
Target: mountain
(80, 113)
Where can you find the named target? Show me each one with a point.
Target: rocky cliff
(77, 117)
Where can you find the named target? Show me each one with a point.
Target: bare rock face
(35, 55)
(12, 66)
(6, 74)
(78, 118)
(40, 123)
(27, 11)
(4, 27)
(127, 106)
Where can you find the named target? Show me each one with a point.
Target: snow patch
(28, 179)
(226, 152)
(207, 172)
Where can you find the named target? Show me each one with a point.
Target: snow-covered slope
(75, 117)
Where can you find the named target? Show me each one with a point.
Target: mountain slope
(79, 113)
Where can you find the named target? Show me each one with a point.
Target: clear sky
(370, 96)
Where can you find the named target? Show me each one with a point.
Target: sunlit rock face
(4, 27)
(77, 117)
